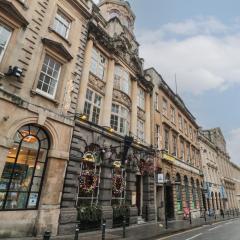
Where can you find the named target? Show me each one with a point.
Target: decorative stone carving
(96, 83)
(122, 98)
(141, 114)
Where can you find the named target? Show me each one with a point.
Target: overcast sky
(199, 41)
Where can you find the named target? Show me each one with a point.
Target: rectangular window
(191, 133)
(180, 122)
(166, 139)
(158, 136)
(140, 130)
(188, 154)
(173, 117)
(165, 107)
(174, 145)
(5, 34)
(141, 98)
(185, 127)
(49, 77)
(61, 24)
(156, 102)
(120, 119)
(182, 156)
(98, 63)
(92, 106)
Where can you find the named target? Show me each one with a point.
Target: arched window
(179, 192)
(114, 13)
(216, 196)
(187, 191)
(22, 177)
(194, 200)
(212, 196)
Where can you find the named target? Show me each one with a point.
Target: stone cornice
(10, 10)
(58, 48)
(81, 7)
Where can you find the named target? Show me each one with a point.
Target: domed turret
(118, 9)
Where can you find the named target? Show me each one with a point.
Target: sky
(199, 43)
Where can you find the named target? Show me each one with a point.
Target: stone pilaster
(148, 198)
(134, 108)
(105, 194)
(85, 76)
(106, 113)
(148, 119)
(130, 190)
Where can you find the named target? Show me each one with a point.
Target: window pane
(2, 197)
(16, 200)
(36, 184)
(5, 34)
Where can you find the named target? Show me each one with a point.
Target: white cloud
(204, 53)
(233, 143)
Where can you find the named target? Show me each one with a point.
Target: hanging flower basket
(88, 181)
(118, 184)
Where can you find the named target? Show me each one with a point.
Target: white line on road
(215, 228)
(194, 236)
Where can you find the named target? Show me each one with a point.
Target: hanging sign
(160, 178)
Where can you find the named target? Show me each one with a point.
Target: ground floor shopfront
(32, 167)
(182, 191)
(108, 178)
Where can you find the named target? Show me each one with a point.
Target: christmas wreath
(88, 181)
(118, 184)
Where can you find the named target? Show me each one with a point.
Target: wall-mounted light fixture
(14, 71)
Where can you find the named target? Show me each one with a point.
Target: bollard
(77, 231)
(190, 217)
(124, 226)
(205, 217)
(47, 235)
(103, 229)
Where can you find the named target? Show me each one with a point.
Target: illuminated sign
(168, 157)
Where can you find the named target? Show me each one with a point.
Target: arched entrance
(22, 176)
(169, 203)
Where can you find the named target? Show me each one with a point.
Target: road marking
(194, 236)
(215, 228)
(181, 233)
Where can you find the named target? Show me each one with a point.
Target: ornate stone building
(42, 45)
(110, 174)
(175, 138)
(220, 184)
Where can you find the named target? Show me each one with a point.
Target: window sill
(33, 93)
(50, 29)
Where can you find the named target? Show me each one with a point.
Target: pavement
(153, 230)
(228, 230)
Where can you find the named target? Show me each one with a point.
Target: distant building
(218, 170)
(175, 137)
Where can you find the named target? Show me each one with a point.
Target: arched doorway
(22, 176)
(213, 205)
(186, 186)
(169, 203)
(178, 183)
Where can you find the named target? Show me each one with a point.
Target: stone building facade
(178, 158)
(218, 170)
(42, 45)
(236, 178)
(110, 174)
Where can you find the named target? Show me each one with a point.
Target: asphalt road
(229, 230)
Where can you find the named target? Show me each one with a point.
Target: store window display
(22, 176)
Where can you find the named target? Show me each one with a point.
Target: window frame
(93, 104)
(156, 101)
(120, 119)
(164, 106)
(173, 114)
(122, 80)
(64, 16)
(11, 30)
(141, 98)
(96, 58)
(43, 93)
(140, 130)
(18, 144)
